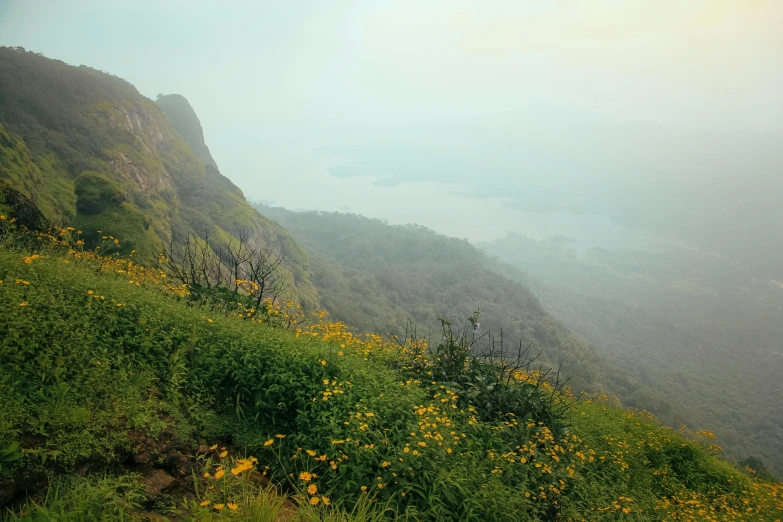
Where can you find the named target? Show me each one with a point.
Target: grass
(98, 351)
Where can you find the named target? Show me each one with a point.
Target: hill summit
(93, 153)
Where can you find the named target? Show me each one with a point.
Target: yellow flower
(90, 292)
(23, 303)
(206, 474)
(279, 436)
(312, 489)
(232, 506)
(219, 506)
(269, 442)
(219, 474)
(314, 501)
(223, 454)
(305, 476)
(311, 453)
(204, 503)
(364, 488)
(325, 500)
(213, 447)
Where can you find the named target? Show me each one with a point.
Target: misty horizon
(618, 124)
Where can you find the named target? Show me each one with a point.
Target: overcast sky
(611, 121)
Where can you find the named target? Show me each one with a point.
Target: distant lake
(446, 208)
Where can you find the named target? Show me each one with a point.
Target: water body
(448, 208)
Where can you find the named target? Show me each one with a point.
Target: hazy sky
(605, 120)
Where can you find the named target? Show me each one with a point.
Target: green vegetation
(91, 152)
(378, 277)
(696, 337)
(134, 391)
(103, 363)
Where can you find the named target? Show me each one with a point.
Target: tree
(221, 273)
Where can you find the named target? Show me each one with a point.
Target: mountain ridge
(93, 153)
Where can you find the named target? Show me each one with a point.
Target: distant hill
(694, 329)
(92, 152)
(377, 277)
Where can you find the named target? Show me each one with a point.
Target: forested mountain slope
(131, 402)
(378, 277)
(93, 153)
(693, 329)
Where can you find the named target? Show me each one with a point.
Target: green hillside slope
(697, 331)
(378, 277)
(91, 152)
(101, 377)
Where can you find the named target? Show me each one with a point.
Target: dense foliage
(98, 350)
(697, 336)
(378, 277)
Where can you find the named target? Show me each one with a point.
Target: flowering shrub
(95, 346)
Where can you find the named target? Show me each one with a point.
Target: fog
(616, 123)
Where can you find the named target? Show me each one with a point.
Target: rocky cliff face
(63, 129)
(182, 116)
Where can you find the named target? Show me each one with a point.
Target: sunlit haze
(614, 122)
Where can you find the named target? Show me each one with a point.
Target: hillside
(93, 153)
(698, 331)
(378, 277)
(117, 391)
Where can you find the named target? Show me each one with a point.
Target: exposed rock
(142, 458)
(155, 482)
(258, 478)
(22, 209)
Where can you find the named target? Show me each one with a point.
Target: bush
(95, 349)
(96, 193)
